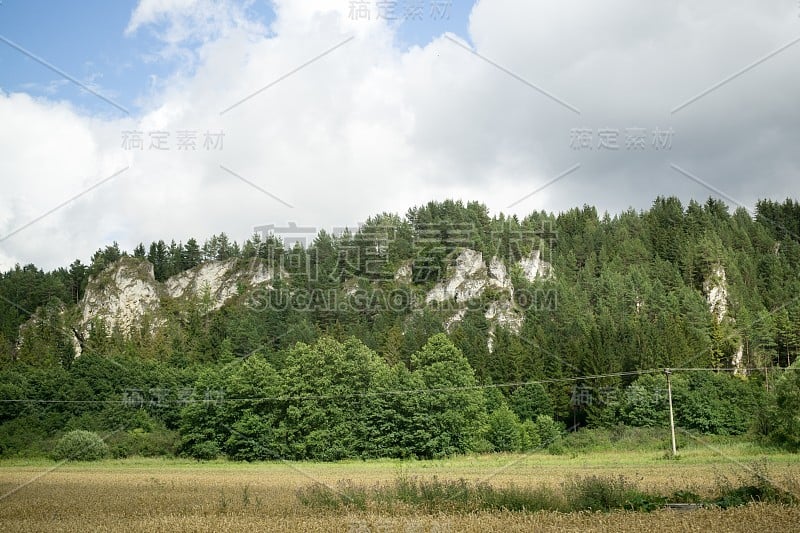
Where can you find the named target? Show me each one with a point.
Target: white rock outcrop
(466, 282)
(126, 292)
(470, 277)
(498, 275)
(716, 290)
(220, 279)
(121, 295)
(535, 267)
(504, 314)
(455, 319)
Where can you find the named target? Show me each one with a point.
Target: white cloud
(369, 128)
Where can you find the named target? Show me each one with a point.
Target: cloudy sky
(134, 121)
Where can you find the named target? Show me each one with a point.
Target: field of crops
(173, 495)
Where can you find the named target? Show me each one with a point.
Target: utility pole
(667, 371)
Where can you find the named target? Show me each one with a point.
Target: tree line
(629, 295)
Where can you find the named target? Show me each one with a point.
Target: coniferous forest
(345, 353)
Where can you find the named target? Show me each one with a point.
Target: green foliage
(716, 403)
(327, 416)
(204, 451)
(235, 411)
(452, 409)
(596, 493)
(393, 409)
(645, 402)
(785, 409)
(629, 293)
(550, 432)
(755, 485)
(530, 401)
(530, 438)
(589, 493)
(620, 438)
(46, 340)
(138, 442)
(504, 430)
(709, 402)
(80, 445)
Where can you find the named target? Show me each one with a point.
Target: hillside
(586, 306)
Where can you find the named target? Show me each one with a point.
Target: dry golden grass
(152, 495)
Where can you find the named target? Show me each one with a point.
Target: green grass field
(182, 495)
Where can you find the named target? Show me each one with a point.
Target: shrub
(204, 451)
(80, 445)
(785, 406)
(504, 430)
(591, 493)
(530, 436)
(645, 402)
(596, 493)
(620, 438)
(549, 431)
(23, 437)
(138, 442)
(755, 485)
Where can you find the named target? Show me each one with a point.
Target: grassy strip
(589, 493)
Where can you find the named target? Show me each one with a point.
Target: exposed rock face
(738, 360)
(534, 266)
(455, 319)
(716, 290)
(121, 295)
(470, 277)
(467, 281)
(498, 276)
(126, 292)
(503, 313)
(220, 278)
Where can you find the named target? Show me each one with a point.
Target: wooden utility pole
(667, 371)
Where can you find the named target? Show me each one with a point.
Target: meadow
(184, 495)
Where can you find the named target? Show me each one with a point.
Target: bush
(785, 410)
(504, 430)
(645, 402)
(595, 493)
(141, 443)
(712, 403)
(620, 438)
(204, 451)
(80, 445)
(549, 431)
(24, 437)
(530, 436)
(754, 486)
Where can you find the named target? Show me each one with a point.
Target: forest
(345, 354)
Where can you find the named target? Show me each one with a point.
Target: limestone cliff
(470, 277)
(715, 287)
(126, 292)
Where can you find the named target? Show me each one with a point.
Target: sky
(170, 119)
